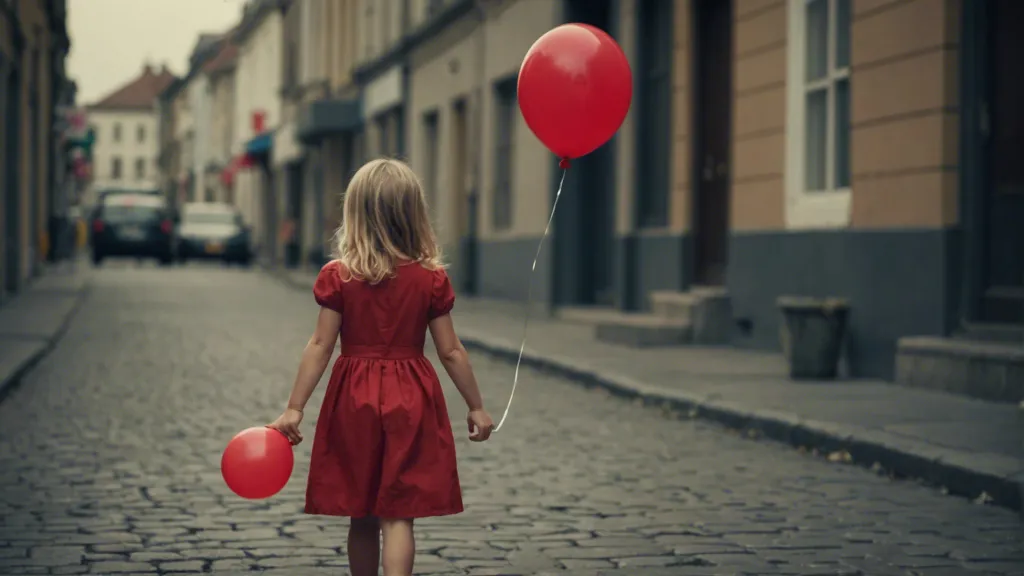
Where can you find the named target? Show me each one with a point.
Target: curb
(866, 447)
(11, 383)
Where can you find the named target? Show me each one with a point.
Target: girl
(383, 451)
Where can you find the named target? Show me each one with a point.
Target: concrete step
(642, 330)
(997, 333)
(707, 308)
(986, 370)
(586, 314)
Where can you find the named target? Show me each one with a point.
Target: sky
(111, 40)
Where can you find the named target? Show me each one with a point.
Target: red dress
(384, 444)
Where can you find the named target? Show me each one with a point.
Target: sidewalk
(968, 447)
(33, 321)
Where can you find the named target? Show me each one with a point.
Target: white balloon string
(529, 300)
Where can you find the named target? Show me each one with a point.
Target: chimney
(147, 69)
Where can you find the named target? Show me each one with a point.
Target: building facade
(126, 129)
(328, 122)
(33, 47)
(169, 155)
(257, 112)
(293, 166)
(831, 148)
(220, 72)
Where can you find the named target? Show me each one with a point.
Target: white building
(127, 141)
(257, 110)
(220, 73)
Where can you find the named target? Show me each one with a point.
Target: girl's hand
(288, 424)
(480, 425)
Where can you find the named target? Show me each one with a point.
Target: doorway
(585, 226)
(712, 108)
(295, 183)
(465, 205)
(1003, 193)
(11, 184)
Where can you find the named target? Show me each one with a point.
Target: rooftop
(139, 93)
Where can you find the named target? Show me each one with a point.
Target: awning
(261, 145)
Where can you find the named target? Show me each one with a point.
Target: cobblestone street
(110, 453)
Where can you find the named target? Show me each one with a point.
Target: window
(115, 168)
(140, 134)
(818, 115)
(95, 131)
(654, 115)
(117, 132)
(140, 168)
(430, 144)
(504, 151)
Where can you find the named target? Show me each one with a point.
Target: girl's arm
(315, 357)
(455, 359)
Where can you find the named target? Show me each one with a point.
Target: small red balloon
(257, 463)
(574, 89)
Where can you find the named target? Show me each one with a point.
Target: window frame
(502, 190)
(812, 209)
(140, 168)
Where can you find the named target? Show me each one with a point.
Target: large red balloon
(257, 463)
(575, 87)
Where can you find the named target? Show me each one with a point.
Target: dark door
(713, 82)
(295, 184)
(465, 198)
(1003, 292)
(10, 183)
(590, 196)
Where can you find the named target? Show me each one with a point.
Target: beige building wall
(680, 196)
(758, 115)
(445, 70)
(511, 29)
(903, 117)
(904, 113)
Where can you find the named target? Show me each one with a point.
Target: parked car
(213, 231)
(133, 225)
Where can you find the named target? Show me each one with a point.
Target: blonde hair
(385, 220)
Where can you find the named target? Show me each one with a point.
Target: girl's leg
(399, 546)
(364, 546)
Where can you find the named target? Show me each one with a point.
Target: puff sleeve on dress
(327, 288)
(442, 298)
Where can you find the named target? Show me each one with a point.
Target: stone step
(984, 370)
(586, 314)
(642, 330)
(998, 333)
(678, 305)
(708, 309)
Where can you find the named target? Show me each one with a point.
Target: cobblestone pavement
(109, 456)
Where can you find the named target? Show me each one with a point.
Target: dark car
(213, 231)
(133, 225)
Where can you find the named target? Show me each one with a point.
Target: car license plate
(132, 233)
(214, 247)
